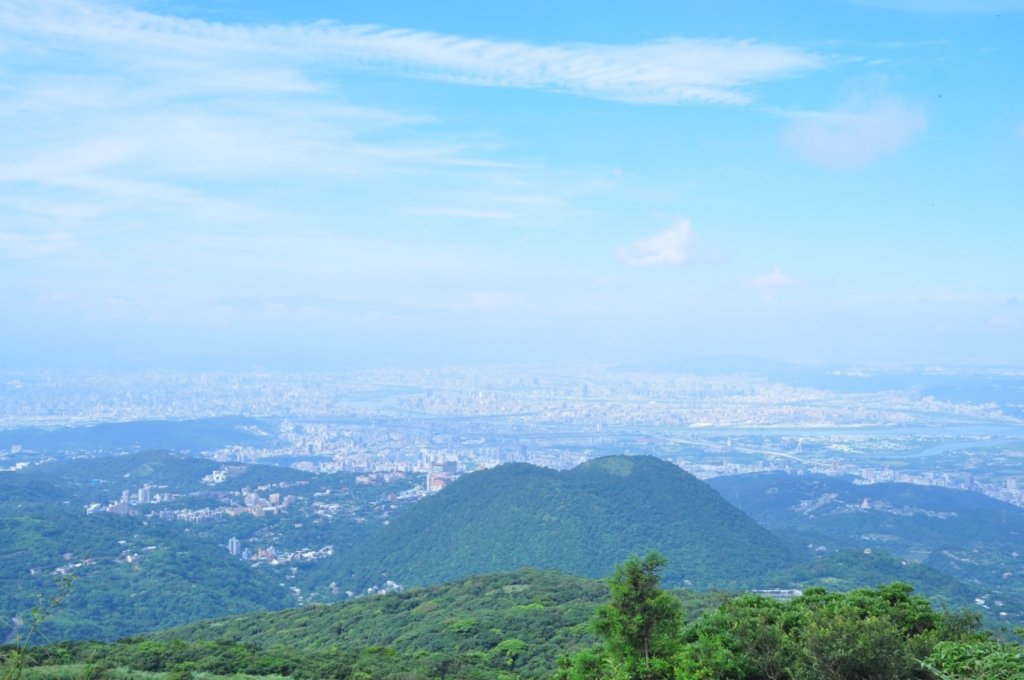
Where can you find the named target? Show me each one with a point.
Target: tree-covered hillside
(100, 478)
(131, 575)
(202, 434)
(533, 625)
(580, 521)
(905, 519)
(973, 538)
(129, 578)
(885, 633)
(160, 558)
(526, 618)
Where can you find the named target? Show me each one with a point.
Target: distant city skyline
(320, 185)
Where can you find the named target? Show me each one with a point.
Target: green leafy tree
(866, 634)
(639, 627)
(989, 659)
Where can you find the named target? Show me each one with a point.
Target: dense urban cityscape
(433, 425)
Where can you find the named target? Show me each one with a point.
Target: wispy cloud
(854, 135)
(489, 301)
(24, 246)
(1004, 322)
(774, 279)
(456, 213)
(772, 283)
(674, 246)
(667, 71)
(947, 6)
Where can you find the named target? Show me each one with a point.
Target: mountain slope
(514, 627)
(581, 521)
(98, 478)
(203, 434)
(529, 618)
(130, 575)
(913, 521)
(973, 538)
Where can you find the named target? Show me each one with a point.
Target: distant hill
(847, 570)
(580, 521)
(202, 434)
(973, 538)
(96, 478)
(905, 519)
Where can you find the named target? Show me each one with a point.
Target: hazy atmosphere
(326, 185)
(512, 341)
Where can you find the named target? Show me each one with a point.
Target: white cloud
(773, 279)
(665, 71)
(673, 246)
(772, 283)
(853, 136)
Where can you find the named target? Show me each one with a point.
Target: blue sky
(324, 184)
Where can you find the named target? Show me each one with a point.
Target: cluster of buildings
(388, 587)
(128, 502)
(440, 475)
(273, 556)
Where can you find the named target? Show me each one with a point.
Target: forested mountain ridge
(528, 616)
(199, 434)
(137, 572)
(903, 516)
(970, 537)
(580, 521)
(131, 576)
(141, 566)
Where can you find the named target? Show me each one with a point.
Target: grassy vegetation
(533, 624)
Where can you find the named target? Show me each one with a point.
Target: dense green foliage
(847, 570)
(581, 521)
(176, 660)
(988, 659)
(512, 627)
(143, 572)
(886, 633)
(639, 627)
(523, 620)
(173, 577)
(871, 633)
